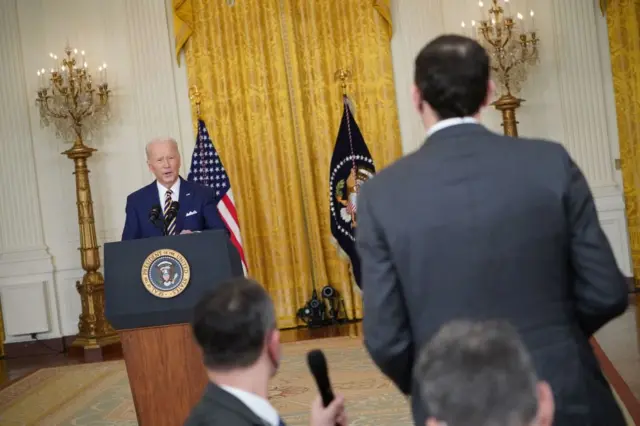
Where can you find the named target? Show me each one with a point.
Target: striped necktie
(171, 227)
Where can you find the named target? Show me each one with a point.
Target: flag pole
(342, 75)
(194, 95)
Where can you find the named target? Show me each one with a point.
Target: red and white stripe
(227, 209)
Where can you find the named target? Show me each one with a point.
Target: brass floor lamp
(70, 99)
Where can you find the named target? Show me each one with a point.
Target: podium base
(96, 350)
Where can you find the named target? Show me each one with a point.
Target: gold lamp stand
(507, 105)
(69, 98)
(94, 331)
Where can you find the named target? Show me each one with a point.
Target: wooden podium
(151, 286)
(167, 359)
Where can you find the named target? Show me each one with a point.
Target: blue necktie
(281, 423)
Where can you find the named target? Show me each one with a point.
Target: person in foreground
(235, 326)
(480, 374)
(486, 227)
(197, 211)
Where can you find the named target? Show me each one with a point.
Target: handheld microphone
(318, 366)
(154, 214)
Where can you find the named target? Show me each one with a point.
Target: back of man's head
(233, 324)
(452, 76)
(480, 374)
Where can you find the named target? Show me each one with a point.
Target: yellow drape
(265, 69)
(182, 24)
(384, 9)
(623, 22)
(183, 20)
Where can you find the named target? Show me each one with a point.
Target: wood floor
(12, 369)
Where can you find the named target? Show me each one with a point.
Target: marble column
(152, 67)
(26, 268)
(582, 82)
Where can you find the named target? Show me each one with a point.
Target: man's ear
(273, 348)
(546, 405)
(416, 97)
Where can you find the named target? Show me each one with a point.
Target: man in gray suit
(475, 225)
(235, 325)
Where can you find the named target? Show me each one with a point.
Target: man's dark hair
(477, 374)
(231, 324)
(452, 74)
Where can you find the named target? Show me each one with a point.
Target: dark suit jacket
(219, 408)
(477, 226)
(198, 211)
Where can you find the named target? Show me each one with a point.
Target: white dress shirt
(162, 191)
(443, 124)
(260, 406)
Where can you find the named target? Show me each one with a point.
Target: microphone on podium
(154, 214)
(318, 366)
(172, 211)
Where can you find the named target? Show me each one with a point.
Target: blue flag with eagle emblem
(351, 166)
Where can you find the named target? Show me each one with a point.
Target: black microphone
(154, 214)
(318, 366)
(172, 212)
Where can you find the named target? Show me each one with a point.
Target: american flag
(207, 169)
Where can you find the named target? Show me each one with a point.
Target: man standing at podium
(170, 205)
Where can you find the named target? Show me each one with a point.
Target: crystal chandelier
(69, 98)
(512, 44)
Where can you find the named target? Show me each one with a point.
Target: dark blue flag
(351, 166)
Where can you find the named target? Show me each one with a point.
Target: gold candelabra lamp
(512, 45)
(70, 99)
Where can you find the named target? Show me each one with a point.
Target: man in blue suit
(197, 206)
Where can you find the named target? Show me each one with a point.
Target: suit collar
(468, 131)
(450, 122)
(218, 396)
(174, 188)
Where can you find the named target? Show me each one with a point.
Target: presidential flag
(207, 169)
(351, 166)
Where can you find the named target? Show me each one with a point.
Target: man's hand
(186, 231)
(332, 415)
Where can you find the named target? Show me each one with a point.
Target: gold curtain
(265, 69)
(623, 22)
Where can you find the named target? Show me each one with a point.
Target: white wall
(569, 98)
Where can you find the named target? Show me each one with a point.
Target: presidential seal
(165, 273)
(345, 181)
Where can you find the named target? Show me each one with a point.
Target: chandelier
(512, 44)
(70, 99)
